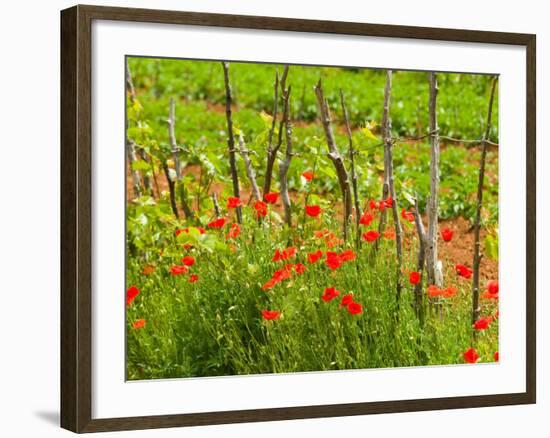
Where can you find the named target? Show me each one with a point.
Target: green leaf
(367, 130)
(491, 245)
(408, 197)
(268, 120)
(141, 165)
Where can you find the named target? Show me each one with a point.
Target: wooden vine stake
(130, 145)
(136, 181)
(216, 205)
(231, 139)
(386, 132)
(334, 155)
(351, 156)
(390, 183)
(271, 149)
(178, 183)
(171, 179)
(433, 265)
(422, 238)
(477, 223)
(249, 169)
(284, 164)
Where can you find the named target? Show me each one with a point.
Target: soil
(460, 249)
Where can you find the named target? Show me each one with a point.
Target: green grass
(214, 326)
(462, 97)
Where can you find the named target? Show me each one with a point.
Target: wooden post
(388, 147)
(249, 169)
(178, 183)
(172, 189)
(131, 152)
(142, 154)
(334, 154)
(130, 145)
(216, 205)
(285, 163)
(386, 133)
(273, 149)
(231, 139)
(434, 270)
(351, 155)
(477, 223)
(418, 297)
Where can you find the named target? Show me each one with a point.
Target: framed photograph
(269, 218)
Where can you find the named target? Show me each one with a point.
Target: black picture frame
(76, 218)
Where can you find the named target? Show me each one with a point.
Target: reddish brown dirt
(460, 248)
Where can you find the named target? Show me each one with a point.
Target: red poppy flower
(447, 234)
(308, 175)
(407, 215)
(321, 233)
(270, 284)
(433, 291)
(261, 209)
(333, 261)
(382, 204)
(138, 323)
(277, 277)
(299, 268)
(492, 287)
(312, 257)
(346, 300)
(285, 254)
(371, 236)
(148, 270)
(366, 218)
(234, 231)
(188, 260)
(448, 292)
(131, 293)
(233, 202)
(186, 230)
(329, 294)
(463, 271)
(347, 255)
(471, 356)
(271, 197)
(218, 223)
(178, 270)
(483, 323)
(331, 240)
(193, 278)
(496, 356)
(414, 277)
(313, 210)
(389, 234)
(271, 315)
(488, 295)
(355, 308)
